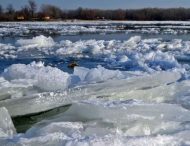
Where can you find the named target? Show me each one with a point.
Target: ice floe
(46, 78)
(7, 128)
(39, 41)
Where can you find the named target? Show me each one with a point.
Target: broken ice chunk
(6, 125)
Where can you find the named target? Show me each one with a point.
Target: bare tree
(52, 11)
(25, 11)
(32, 7)
(1, 9)
(10, 13)
(10, 10)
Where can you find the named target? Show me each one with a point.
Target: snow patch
(39, 41)
(46, 78)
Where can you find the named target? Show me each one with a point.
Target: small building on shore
(46, 18)
(20, 18)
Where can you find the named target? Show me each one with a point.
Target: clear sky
(103, 4)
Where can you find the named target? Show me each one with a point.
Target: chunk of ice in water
(45, 77)
(7, 128)
(39, 41)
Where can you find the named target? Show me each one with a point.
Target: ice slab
(35, 104)
(109, 89)
(46, 78)
(7, 128)
(135, 124)
(39, 41)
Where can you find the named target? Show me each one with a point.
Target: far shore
(98, 21)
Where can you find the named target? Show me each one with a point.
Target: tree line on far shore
(31, 12)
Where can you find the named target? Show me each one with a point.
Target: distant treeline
(50, 12)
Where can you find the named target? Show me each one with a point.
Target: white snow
(39, 41)
(46, 78)
(98, 74)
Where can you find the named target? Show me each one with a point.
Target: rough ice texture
(105, 125)
(133, 54)
(149, 87)
(98, 74)
(39, 42)
(7, 128)
(78, 27)
(147, 104)
(50, 78)
(46, 78)
(136, 117)
(7, 51)
(53, 79)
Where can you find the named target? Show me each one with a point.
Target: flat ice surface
(134, 91)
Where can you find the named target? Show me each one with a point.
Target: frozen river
(131, 85)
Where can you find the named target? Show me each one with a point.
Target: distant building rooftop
(20, 17)
(46, 18)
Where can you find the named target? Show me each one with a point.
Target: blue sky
(103, 4)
